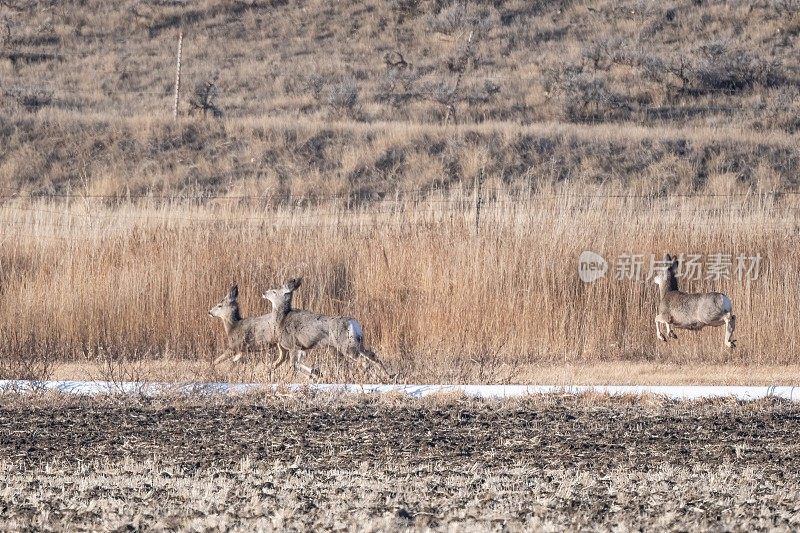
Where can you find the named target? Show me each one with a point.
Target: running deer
(252, 334)
(300, 331)
(690, 311)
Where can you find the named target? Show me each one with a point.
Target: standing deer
(690, 311)
(252, 334)
(300, 331)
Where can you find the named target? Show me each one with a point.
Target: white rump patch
(355, 329)
(727, 306)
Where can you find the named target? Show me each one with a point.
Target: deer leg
(298, 364)
(730, 326)
(659, 335)
(373, 359)
(297, 361)
(225, 355)
(670, 333)
(283, 355)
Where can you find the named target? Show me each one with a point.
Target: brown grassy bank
(297, 161)
(84, 282)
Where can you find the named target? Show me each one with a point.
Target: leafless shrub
(204, 98)
(26, 368)
(596, 53)
(463, 57)
(589, 98)
(726, 68)
(674, 73)
(34, 363)
(450, 20)
(406, 9)
(786, 8)
(484, 94)
(553, 76)
(398, 87)
(653, 68)
(31, 98)
(314, 83)
(343, 96)
(15, 5)
(6, 31)
(681, 68)
(603, 52)
(461, 16)
(441, 93)
(122, 372)
(781, 109)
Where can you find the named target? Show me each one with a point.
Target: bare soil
(338, 371)
(378, 463)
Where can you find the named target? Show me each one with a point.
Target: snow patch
(690, 392)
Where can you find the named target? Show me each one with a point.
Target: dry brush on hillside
(318, 98)
(680, 62)
(290, 162)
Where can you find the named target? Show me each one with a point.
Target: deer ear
(234, 293)
(294, 283)
(667, 258)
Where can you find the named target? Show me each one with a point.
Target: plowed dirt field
(377, 463)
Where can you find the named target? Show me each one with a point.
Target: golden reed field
(88, 283)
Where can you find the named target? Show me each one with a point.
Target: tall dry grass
(83, 281)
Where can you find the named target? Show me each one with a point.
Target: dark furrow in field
(555, 434)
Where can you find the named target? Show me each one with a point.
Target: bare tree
(395, 60)
(205, 97)
(459, 66)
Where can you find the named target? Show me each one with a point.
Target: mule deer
(253, 334)
(300, 331)
(690, 311)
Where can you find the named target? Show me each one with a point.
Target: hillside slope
(86, 93)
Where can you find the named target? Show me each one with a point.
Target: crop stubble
(370, 463)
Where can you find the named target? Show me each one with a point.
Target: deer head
(667, 278)
(282, 297)
(228, 308)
